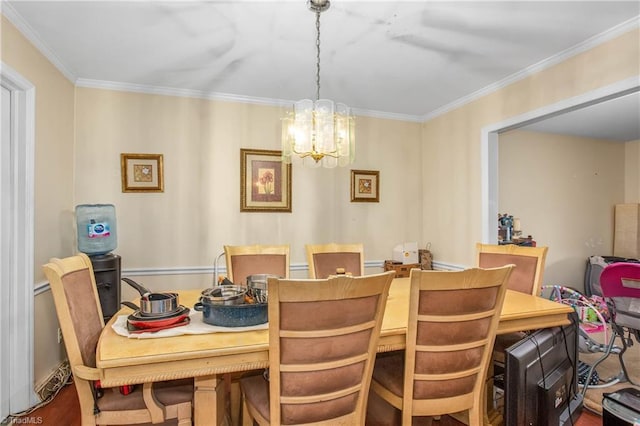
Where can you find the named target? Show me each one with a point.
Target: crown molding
(590, 43)
(387, 115)
(14, 17)
(225, 97)
(172, 91)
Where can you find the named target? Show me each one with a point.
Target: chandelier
(321, 133)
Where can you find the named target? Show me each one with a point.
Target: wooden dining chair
(525, 278)
(243, 261)
(453, 317)
(325, 259)
(80, 316)
(529, 261)
(323, 337)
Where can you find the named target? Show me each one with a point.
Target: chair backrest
(620, 284)
(325, 259)
(243, 261)
(323, 338)
(528, 273)
(453, 317)
(75, 296)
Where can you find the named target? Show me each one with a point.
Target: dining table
(208, 357)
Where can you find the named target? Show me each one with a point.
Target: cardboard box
(402, 270)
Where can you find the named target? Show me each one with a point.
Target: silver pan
(154, 303)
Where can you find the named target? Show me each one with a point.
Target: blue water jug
(96, 224)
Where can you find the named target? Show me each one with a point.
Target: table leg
(209, 401)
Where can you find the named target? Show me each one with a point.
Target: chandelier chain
(321, 133)
(317, 55)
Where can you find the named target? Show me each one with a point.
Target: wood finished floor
(64, 410)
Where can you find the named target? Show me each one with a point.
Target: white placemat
(195, 326)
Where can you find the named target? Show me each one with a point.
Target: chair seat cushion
(504, 341)
(389, 372)
(113, 400)
(381, 413)
(174, 391)
(256, 393)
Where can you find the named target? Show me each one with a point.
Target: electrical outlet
(59, 335)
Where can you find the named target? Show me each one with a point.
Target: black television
(540, 382)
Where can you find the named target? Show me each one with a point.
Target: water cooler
(97, 237)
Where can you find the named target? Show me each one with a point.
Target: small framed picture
(265, 181)
(365, 186)
(142, 172)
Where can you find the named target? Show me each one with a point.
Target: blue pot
(232, 315)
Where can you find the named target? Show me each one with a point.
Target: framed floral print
(265, 181)
(365, 186)
(142, 172)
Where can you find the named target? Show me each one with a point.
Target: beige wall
(451, 169)
(54, 134)
(54, 140)
(632, 172)
(199, 212)
(563, 190)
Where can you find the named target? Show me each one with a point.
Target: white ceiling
(409, 60)
(617, 119)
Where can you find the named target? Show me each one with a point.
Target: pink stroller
(620, 284)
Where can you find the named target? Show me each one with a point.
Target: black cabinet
(106, 269)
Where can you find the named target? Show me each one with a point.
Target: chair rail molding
(43, 287)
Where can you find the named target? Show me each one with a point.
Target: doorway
(16, 249)
(490, 134)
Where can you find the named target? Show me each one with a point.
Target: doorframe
(18, 327)
(489, 142)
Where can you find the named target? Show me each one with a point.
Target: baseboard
(54, 381)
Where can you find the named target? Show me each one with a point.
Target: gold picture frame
(142, 172)
(265, 181)
(365, 186)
